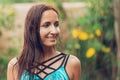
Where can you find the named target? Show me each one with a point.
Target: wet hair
(32, 50)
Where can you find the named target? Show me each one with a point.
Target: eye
(46, 24)
(56, 24)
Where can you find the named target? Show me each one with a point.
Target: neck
(49, 52)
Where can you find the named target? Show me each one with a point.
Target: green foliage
(7, 15)
(23, 1)
(15, 1)
(3, 67)
(4, 59)
(95, 39)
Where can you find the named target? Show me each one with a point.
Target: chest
(51, 69)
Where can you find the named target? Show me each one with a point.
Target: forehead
(49, 15)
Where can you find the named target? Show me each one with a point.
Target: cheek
(58, 29)
(43, 31)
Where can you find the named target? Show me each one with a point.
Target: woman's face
(49, 28)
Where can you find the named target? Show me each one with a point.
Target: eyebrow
(48, 22)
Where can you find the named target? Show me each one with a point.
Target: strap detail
(42, 70)
(66, 60)
(62, 58)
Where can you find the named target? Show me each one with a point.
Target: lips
(52, 38)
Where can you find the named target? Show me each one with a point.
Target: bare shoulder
(73, 68)
(74, 61)
(11, 69)
(12, 62)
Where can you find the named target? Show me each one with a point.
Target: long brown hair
(32, 47)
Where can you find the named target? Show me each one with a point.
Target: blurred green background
(87, 28)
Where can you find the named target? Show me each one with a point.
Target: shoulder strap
(66, 60)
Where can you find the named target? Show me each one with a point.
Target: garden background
(90, 30)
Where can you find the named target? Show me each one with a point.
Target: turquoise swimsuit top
(50, 72)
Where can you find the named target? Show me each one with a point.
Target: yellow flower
(75, 33)
(90, 52)
(102, 12)
(83, 35)
(106, 50)
(98, 32)
(11, 12)
(91, 36)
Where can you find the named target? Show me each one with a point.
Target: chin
(50, 45)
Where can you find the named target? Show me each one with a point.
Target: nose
(54, 30)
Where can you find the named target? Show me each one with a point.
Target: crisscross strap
(48, 66)
(62, 58)
(66, 60)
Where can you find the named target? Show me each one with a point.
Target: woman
(39, 60)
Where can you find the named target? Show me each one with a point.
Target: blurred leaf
(109, 35)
